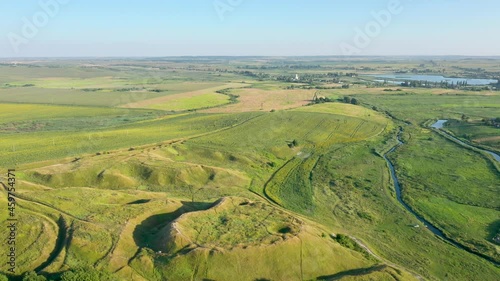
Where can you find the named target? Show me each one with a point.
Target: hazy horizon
(255, 56)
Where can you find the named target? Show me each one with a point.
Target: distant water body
(432, 78)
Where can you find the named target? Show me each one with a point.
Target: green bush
(87, 274)
(32, 276)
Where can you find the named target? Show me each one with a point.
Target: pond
(398, 78)
(439, 124)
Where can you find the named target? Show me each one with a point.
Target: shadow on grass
(353, 272)
(63, 240)
(141, 201)
(146, 232)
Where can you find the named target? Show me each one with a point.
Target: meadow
(452, 188)
(200, 169)
(475, 131)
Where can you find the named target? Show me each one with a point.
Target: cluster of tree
(470, 69)
(292, 144)
(425, 71)
(481, 75)
(322, 100)
(335, 74)
(351, 100)
(416, 70)
(24, 65)
(306, 78)
(478, 89)
(291, 79)
(258, 75)
(232, 98)
(255, 67)
(284, 66)
(428, 84)
(7, 85)
(495, 122)
(131, 89)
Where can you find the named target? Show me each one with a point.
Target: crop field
(193, 103)
(189, 100)
(107, 98)
(50, 117)
(22, 147)
(113, 90)
(211, 168)
(257, 99)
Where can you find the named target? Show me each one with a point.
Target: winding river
(399, 196)
(424, 222)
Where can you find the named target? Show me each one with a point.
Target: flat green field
(420, 107)
(476, 132)
(22, 113)
(95, 97)
(192, 103)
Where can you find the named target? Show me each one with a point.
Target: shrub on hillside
(32, 276)
(87, 274)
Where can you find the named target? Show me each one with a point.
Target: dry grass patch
(262, 100)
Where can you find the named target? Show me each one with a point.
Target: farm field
(188, 100)
(217, 168)
(257, 99)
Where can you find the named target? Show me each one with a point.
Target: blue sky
(248, 27)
